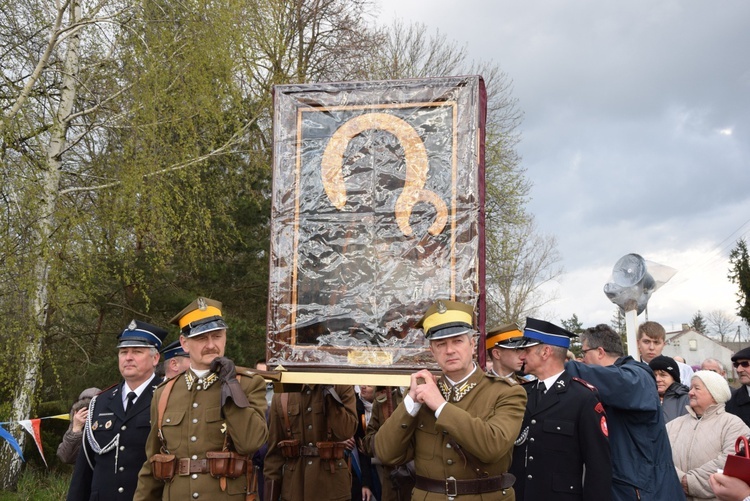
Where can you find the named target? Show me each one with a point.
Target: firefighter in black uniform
(562, 452)
(114, 438)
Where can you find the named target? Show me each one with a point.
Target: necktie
(131, 397)
(540, 389)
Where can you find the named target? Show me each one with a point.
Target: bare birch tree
(42, 77)
(721, 324)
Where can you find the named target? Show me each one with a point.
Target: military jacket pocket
(292, 409)
(559, 427)
(213, 414)
(427, 439)
(171, 428)
(558, 434)
(568, 484)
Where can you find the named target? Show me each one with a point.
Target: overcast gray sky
(636, 135)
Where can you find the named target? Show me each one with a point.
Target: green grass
(39, 485)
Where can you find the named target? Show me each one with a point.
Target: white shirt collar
(464, 379)
(200, 373)
(550, 381)
(127, 389)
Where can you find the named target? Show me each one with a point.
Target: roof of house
(733, 346)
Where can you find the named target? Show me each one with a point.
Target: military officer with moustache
(562, 452)
(206, 422)
(117, 424)
(459, 428)
(503, 343)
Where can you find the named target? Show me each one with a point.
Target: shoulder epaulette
(162, 383)
(108, 388)
(269, 375)
(245, 371)
(510, 381)
(585, 383)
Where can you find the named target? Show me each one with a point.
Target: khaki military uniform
(311, 415)
(380, 412)
(483, 417)
(515, 376)
(194, 423)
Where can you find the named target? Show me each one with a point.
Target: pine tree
(739, 273)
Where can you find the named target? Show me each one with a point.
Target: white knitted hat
(716, 385)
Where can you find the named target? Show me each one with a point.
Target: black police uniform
(563, 432)
(119, 448)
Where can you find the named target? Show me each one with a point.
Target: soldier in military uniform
(503, 349)
(562, 452)
(307, 433)
(118, 421)
(396, 482)
(459, 428)
(206, 422)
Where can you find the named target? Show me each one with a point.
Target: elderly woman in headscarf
(68, 449)
(702, 438)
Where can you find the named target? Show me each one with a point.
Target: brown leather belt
(186, 466)
(452, 487)
(308, 450)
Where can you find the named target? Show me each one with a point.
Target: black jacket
(739, 404)
(565, 432)
(115, 473)
(361, 472)
(674, 401)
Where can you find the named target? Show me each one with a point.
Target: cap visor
(211, 326)
(514, 343)
(452, 331)
(135, 343)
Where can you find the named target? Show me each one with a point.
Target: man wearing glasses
(739, 404)
(642, 466)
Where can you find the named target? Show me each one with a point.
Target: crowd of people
(534, 424)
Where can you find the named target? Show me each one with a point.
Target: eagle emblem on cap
(132, 325)
(202, 304)
(441, 307)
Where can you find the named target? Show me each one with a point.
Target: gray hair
(603, 336)
(713, 361)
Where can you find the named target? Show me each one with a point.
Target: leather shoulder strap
(285, 411)
(162, 406)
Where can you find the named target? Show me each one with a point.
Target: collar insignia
(458, 392)
(202, 383)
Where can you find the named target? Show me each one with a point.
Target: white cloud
(636, 134)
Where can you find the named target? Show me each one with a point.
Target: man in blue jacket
(642, 467)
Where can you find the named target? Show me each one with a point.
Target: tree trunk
(30, 370)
